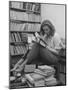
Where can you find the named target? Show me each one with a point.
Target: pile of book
(35, 79)
(17, 50)
(49, 73)
(26, 6)
(42, 76)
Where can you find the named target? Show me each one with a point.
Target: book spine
(33, 7)
(29, 78)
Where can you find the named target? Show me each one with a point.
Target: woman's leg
(33, 53)
(50, 59)
(47, 56)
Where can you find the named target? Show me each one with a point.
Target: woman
(48, 51)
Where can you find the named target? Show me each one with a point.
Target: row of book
(42, 76)
(24, 16)
(26, 5)
(18, 37)
(24, 27)
(17, 50)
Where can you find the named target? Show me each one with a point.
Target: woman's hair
(50, 25)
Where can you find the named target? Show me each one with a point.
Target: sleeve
(57, 42)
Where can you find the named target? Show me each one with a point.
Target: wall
(56, 14)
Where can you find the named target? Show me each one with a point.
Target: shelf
(17, 55)
(20, 21)
(25, 10)
(31, 32)
(18, 43)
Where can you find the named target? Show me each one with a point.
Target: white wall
(56, 14)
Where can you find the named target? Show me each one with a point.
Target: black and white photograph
(37, 44)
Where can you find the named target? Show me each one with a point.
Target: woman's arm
(52, 50)
(40, 38)
(17, 64)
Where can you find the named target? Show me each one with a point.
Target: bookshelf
(24, 19)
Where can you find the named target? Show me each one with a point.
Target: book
(29, 78)
(18, 16)
(51, 82)
(16, 37)
(44, 73)
(12, 78)
(30, 84)
(46, 70)
(11, 50)
(19, 38)
(24, 37)
(33, 7)
(36, 27)
(22, 27)
(13, 37)
(51, 78)
(39, 83)
(29, 68)
(11, 26)
(26, 27)
(36, 83)
(29, 27)
(13, 15)
(33, 77)
(46, 67)
(37, 7)
(36, 76)
(21, 5)
(40, 72)
(15, 5)
(24, 5)
(29, 6)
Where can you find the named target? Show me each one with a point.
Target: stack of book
(35, 79)
(47, 70)
(51, 81)
(49, 73)
(43, 76)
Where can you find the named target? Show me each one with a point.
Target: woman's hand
(37, 37)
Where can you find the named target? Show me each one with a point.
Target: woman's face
(46, 29)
